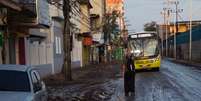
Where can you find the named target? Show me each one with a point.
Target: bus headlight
(157, 59)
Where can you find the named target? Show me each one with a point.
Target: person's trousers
(129, 81)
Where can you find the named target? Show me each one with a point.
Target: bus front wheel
(157, 69)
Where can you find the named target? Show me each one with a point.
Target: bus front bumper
(147, 64)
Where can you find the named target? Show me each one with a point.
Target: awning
(94, 16)
(98, 38)
(87, 41)
(11, 4)
(86, 34)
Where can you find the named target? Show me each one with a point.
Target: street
(81, 50)
(174, 82)
(92, 83)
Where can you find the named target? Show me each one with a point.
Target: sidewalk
(77, 73)
(91, 83)
(184, 62)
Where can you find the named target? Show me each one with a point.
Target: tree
(67, 40)
(111, 31)
(110, 26)
(66, 7)
(150, 26)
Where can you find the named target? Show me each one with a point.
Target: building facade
(85, 6)
(118, 6)
(180, 48)
(7, 7)
(76, 54)
(35, 46)
(55, 38)
(32, 35)
(97, 16)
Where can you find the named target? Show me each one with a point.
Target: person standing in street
(129, 73)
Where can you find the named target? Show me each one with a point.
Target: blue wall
(183, 38)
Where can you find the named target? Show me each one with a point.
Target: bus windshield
(144, 47)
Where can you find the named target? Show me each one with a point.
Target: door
(22, 59)
(12, 50)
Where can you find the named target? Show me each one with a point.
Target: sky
(139, 12)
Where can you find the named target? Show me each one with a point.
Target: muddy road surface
(174, 82)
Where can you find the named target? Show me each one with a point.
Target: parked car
(21, 83)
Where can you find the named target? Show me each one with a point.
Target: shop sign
(87, 41)
(3, 16)
(1, 39)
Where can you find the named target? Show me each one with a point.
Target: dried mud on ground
(92, 83)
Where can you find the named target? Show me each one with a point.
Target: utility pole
(176, 7)
(165, 23)
(176, 22)
(67, 40)
(167, 11)
(167, 30)
(190, 43)
(176, 11)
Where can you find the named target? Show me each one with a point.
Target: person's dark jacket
(129, 64)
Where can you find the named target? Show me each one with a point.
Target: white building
(76, 54)
(97, 16)
(45, 45)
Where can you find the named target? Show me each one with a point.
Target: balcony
(13, 4)
(29, 7)
(55, 12)
(95, 22)
(35, 13)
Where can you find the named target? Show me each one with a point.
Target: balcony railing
(34, 13)
(29, 7)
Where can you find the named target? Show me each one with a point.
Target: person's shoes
(126, 94)
(132, 94)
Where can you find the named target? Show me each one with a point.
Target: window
(14, 81)
(58, 45)
(37, 86)
(59, 39)
(144, 47)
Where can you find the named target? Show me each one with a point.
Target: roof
(143, 32)
(186, 22)
(22, 68)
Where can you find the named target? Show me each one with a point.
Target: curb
(183, 62)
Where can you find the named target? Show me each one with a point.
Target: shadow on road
(147, 70)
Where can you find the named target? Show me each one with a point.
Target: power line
(77, 12)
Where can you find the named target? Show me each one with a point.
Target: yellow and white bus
(145, 47)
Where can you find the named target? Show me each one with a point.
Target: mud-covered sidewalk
(92, 83)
